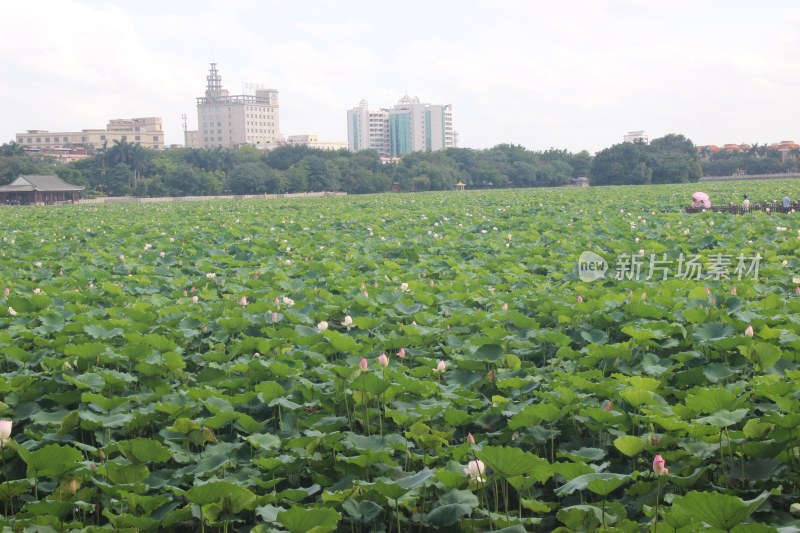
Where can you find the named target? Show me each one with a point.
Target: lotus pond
(431, 362)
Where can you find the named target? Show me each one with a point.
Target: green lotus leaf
(309, 519)
(144, 451)
(603, 481)
(362, 512)
(508, 462)
(630, 445)
(718, 510)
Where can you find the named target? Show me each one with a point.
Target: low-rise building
(636, 136)
(312, 141)
(146, 131)
(39, 190)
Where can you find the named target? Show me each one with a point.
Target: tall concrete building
(234, 120)
(409, 126)
(146, 131)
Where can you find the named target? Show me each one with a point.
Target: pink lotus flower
(5, 432)
(580, 299)
(383, 360)
(505, 307)
(475, 470)
(658, 466)
(322, 326)
(363, 365)
(733, 290)
(441, 366)
(749, 331)
(274, 317)
(401, 353)
(195, 299)
(7, 291)
(243, 300)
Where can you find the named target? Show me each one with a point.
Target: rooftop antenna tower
(183, 117)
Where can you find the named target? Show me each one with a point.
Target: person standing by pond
(746, 204)
(786, 203)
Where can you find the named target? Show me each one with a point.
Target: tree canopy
(124, 168)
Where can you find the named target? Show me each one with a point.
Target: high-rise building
(145, 131)
(234, 120)
(409, 126)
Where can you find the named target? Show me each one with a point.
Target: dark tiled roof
(39, 183)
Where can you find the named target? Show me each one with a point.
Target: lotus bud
(383, 360)
(322, 326)
(363, 365)
(5, 432)
(404, 286)
(580, 299)
(243, 300)
(401, 353)
(733, 290)
(470, 439)
(749, 331)
(195, 299)
(274, 317)
(490, 375)
(441, 366)
(505, 307)
(6, 292)
(102, 455)
(659, 466)
(644, 296)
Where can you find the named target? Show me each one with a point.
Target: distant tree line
(129, 169)
(755, 159)
(124, 169)
(669, 159)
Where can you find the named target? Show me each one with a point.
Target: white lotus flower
(475, 470)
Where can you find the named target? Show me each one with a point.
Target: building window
(66, 139)
(47, 139)
(155, 138)
(102, 137)
(136, 128)
(137, 138)
(124, 138)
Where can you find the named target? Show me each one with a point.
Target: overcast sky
(566, 74)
